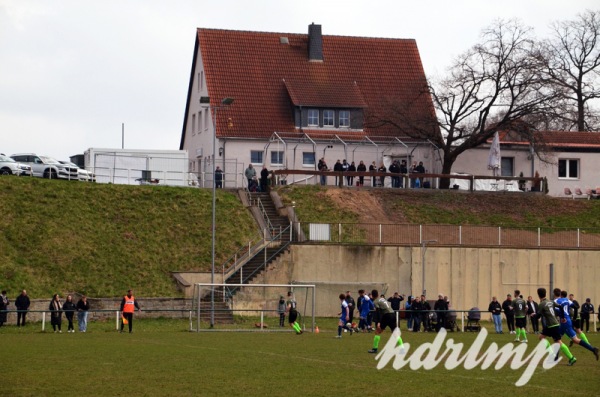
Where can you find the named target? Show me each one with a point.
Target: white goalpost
(249, 307)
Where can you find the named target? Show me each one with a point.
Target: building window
(276, 158)
(308, 158)
(194, 124)
(199, 121)
(202, 79)
(344, 118)
(507, 166)
(313, 117)
(568, 168)
(328, 118)
(206, 115)
(256, 157)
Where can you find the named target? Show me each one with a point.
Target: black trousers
(21, 318)
(586, 321)
(510, 320)
(535, 325)
(129, 318)
(69, 317)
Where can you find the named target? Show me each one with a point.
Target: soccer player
(344, 317)
(566, 326)
(520, 307)
(384, 317)
(290, 305)
(365, 308)
(551, 327)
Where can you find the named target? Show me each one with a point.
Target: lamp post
(224, 102)
(423, 250)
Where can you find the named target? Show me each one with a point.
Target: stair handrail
(264, 213)
(282, 246)
(242, 255)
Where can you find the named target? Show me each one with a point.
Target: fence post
(459, 234)
(499, 235)
(262, 316)
(539, 237)
(462, 321)
(339, 232)
(577, 237)
(43, 321)
(117, 320)
(420, 234)
(380, 241)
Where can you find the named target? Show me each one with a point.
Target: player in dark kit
(551, 325)
(384, 317)
(520, 307)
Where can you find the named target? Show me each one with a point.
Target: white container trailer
(139, 166)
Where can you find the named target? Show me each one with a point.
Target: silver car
(84, 175)
(9, 166)
(46, 167)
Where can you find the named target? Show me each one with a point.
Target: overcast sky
(71, 71)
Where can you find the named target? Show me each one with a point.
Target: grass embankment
(316, 204)
(97, 239)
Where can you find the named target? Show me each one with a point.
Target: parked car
(46, 167)
(9, 166)
(84, 175)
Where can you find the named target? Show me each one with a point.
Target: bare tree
(493, 86)
(572, 68)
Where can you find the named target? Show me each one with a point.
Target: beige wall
(469, 276)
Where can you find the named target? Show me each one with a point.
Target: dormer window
(328, 118)
(344, 116)
(313, 117)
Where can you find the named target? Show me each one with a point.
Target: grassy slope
(100, 239)
(448, 207)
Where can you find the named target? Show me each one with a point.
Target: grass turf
(162, 358)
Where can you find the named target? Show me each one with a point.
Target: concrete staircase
(276, 222)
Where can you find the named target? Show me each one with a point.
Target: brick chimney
(315, 43)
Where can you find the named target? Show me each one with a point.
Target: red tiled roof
(266, 78)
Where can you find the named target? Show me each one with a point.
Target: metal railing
(452, 235)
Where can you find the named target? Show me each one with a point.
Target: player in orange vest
(128, 305)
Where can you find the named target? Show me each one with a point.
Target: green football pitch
(162, 358)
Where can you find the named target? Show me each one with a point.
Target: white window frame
(260, 154)
(313, 158)
(345, 118)
(567, 169)
(311, 115)
(328, 118)
(194, 124)
(279, 157)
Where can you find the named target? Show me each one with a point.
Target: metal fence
(451, 235)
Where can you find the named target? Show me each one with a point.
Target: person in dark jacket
(426, 311)
(417, 311)
(56, 311)
(218, 178)
(441, 308)
(69, 308)
(532, 309)
(337, 167)
(351, 306)
(264, 179)
(361, 168)
(395, 169)
(587, 310)
(351, 168)
(496, 309)
(83, 306)
(509, 312)
(22, 304)
(373, 169)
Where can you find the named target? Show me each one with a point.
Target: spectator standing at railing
(83, 307)
(337, 167)
(322, 166)
(350, 179)
(509, 312)
(56, 310)
(250, 173)
(441, 308)
(264, 179)
(373, 168)
(128, 306)
(425, 315)
(22, 304)
(395, 301)
(4, 306)
(417, 311)
(69, 309)
(394, 170)
(496, 311)
(219, 178)
(382, 178)
(281, 311)
(361, 168)
(532, 310)
(587, 310)
(403, 170)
